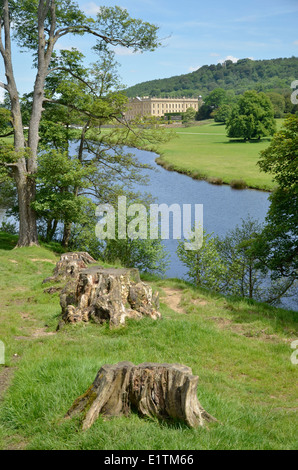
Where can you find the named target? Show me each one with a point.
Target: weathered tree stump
(70, 265)
(111, 295)
(163, 391)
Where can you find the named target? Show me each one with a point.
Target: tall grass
(240, 350)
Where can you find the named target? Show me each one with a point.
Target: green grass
(240, 350)
(204, 152)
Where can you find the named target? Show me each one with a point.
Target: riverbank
(205, 152)
(241, 351)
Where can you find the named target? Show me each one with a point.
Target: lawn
(205, 152)
(241, 351)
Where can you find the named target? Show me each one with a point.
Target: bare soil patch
(173, 299)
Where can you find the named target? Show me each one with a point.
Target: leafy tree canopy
(278, 244)
(252, 117)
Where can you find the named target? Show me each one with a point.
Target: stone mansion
(147, 106)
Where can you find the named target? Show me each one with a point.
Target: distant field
(205, 152)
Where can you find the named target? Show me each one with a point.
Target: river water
(223, 207)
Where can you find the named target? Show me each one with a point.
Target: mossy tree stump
(69, 266)
(163, 391)
(112, 295)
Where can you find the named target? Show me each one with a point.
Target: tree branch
(65, 69)
(7, 135)
(3, 85)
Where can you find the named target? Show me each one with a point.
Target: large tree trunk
(26, 194)
(25, 168)
(163, 391)
(66, 234)
(107, 295)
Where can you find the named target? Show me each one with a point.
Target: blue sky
(195, 33)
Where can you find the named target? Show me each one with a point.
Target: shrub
(238, 184)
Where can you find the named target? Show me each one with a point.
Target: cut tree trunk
(26, 189)
(107, 295)
(163, 391)
(70, 265)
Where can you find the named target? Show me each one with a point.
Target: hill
(241, 351)
(246, 74)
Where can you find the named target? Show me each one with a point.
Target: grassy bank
(204, 152)
(240, 350)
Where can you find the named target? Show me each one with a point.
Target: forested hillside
(246, 74)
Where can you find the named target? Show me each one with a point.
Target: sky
(193, 33)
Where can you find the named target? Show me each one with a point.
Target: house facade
(147, 106)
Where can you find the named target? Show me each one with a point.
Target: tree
(189, 115)
(223, 113)
(233, 266)
(59, 182)
(204, 266)
(252, 117)
(278, 244)
(216, 98)
(37, 26)
(76, 109)
(278, 102)
(243, 277)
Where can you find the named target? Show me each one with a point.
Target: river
(223, 207)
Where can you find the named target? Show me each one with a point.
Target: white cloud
(91, 8)
(122, 51)
(295, 43)
(214, 54)
(229, 57)
(193, 69)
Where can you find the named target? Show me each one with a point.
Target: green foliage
(278, 102)
(278, 243)
(281, 157)
(223, 113)
(5, 120)
(243, 277)
(148, 255)
(189, 115)
(246, 74)
(59, 180)
(252, 117)
(8, 196)
(216, 98)
(205, 267)
(24, 14)
(231, 265)
(79, 161)
(8, 227)
(115, 22)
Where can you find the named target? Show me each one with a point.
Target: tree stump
(111, 295)
(163, 391)
(70, 265)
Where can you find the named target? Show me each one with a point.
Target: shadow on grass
(249, 141)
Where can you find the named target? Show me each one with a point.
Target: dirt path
(173, 299)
